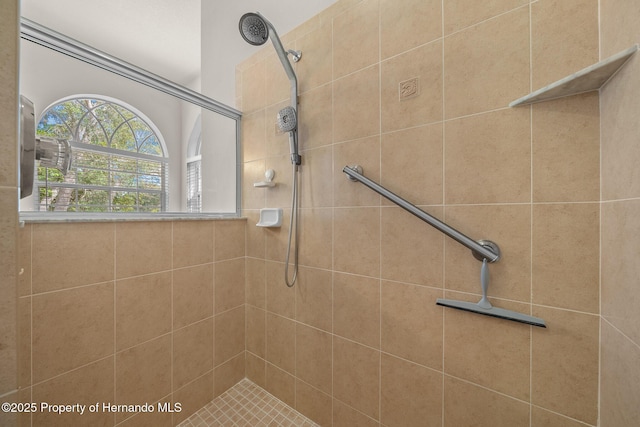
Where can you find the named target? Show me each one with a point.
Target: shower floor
(247, 405)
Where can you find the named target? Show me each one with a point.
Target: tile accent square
(409, 88)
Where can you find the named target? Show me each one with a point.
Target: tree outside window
(118, 163)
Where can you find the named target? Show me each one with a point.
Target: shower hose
(293, 223)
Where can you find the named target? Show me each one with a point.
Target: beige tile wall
(8, 203)
(359, 340)
(130, 313)
(620, 347)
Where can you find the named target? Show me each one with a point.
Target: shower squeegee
(484, 306)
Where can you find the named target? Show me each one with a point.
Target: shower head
(287, 120)
(254, 29)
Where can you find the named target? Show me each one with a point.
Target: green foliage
(102, 176)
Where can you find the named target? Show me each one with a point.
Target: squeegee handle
(484, 282)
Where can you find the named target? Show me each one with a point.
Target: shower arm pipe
(282, 54)
(483, 249)
(51, 39)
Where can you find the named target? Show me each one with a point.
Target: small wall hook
(296, 54)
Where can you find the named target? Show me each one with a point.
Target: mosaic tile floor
(247, 405)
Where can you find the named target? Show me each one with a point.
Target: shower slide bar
(482, 249)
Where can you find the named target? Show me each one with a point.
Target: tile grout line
(600, 205)
(444, 253)
(531, 189)
(380, 222)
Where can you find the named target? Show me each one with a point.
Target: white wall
(162, 36)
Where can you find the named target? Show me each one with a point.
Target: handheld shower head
(287, 120)
(253, 29)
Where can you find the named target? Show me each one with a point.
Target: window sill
(44, 217)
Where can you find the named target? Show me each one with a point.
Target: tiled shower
(147, 312)
(359, 340)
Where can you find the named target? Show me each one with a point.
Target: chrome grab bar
(482, 249)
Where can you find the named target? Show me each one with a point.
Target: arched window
(119, 162)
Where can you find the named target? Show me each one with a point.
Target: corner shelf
(585, 80)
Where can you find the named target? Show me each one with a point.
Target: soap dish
(270, 217)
